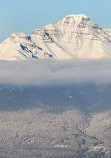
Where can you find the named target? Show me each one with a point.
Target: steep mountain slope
(51, 122)
(48, 135)
(74, 36)
(18, 46)
(107, 31)
(77, 36)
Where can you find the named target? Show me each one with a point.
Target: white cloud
(49, 72)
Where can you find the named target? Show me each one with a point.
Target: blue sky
(26, 15)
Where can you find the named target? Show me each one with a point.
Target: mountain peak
(75, 19)
(77, 16)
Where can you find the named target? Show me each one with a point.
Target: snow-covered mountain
(74, 36)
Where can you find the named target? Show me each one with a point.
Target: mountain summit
(74, 36)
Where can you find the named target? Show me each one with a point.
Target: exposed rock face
(74, 36)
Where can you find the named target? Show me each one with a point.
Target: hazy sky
(26, 15)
